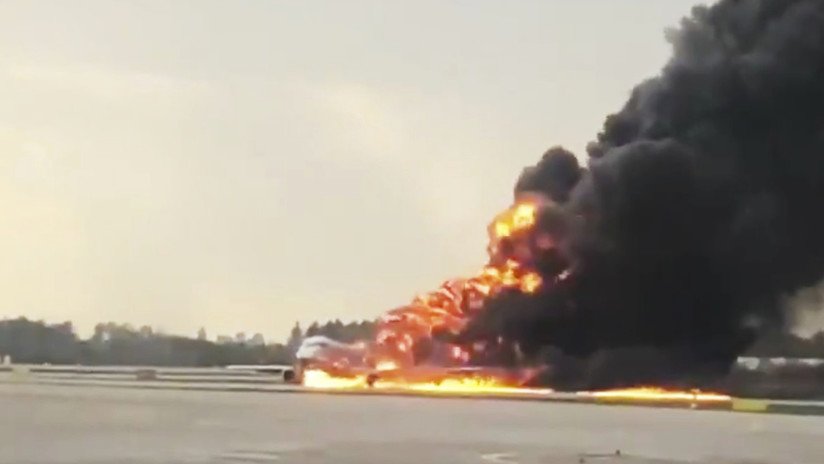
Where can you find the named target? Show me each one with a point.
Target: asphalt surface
(65, 424)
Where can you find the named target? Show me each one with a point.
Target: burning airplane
(416, 344)
(677, 244)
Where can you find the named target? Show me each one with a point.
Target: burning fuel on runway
(674, 248)
(658, 394)
(318, 379)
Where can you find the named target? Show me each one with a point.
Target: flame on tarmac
(489, 385)
(318, 379)
(658, 394)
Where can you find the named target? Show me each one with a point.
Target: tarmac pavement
(100, 424)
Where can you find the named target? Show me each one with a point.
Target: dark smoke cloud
(701, 206)
(555, 175)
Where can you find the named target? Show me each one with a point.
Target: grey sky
(242, 165)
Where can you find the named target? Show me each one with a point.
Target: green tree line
(37, 342)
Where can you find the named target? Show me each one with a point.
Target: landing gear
(371, 379)
(297, 372)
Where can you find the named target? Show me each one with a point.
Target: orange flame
(449, 307)
(658, 394)
(318, 379)
(519, 217)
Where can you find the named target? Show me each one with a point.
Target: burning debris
(666, 255)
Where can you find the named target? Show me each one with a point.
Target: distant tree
(366, 330)
(201, 334)
(112, 343)
(99, 333)
(332, 329)
(314, 329)
(28, 341)
(257, 340)
(278, 354)
(295, 338)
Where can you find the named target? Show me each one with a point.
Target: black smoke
(555, 175)
(701, 206)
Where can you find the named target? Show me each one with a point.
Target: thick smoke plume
(699, 210)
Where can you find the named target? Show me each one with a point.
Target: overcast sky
(242, 165)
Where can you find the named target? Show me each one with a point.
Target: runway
(68, 424)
